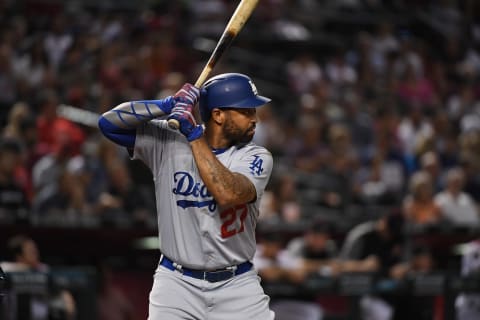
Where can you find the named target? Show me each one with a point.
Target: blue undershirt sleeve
(123, 137)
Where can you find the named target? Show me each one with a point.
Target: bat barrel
(238, 19)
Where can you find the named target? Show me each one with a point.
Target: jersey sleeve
(256, 164)
(149, 143)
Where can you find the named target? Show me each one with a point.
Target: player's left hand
(185, 100)
(189, 94)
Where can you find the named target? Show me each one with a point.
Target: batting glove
(189, 94)
(185, 100)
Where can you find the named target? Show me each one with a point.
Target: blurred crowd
(389, 121)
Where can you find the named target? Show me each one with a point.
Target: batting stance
(208, 183)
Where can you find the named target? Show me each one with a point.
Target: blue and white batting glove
(184, 102)
(189, 94)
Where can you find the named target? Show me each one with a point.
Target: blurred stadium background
(375, 114)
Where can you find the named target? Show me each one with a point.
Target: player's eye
(249, 112)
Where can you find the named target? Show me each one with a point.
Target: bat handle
(174, 124)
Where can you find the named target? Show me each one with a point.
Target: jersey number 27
(230, 226)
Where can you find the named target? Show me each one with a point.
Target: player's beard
(237, 135)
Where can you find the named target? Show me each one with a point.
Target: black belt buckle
(220, 275)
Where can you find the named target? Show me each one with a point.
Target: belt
(210, 276)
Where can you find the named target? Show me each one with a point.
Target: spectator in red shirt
(51, 127)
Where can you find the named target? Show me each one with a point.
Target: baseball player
(208, 183)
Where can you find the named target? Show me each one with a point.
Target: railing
(26, 289)
(353, 286)
(31, 295)
(128, 250)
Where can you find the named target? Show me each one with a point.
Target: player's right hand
(184, 101)
(188, 95)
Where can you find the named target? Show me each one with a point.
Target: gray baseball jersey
(193, 230)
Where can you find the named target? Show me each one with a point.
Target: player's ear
(218, 116)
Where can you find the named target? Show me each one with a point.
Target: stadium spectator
(275, 263)
(374, 246)
(8, 86)
(32, 68)
(383, 43)
(63, 203)
(303, 72)
(21, 127)
(467, 305)
(321, 104)
(283, 206)
(421, 263)
(123, 203)
(47, 170)
(419, 206)
(54, 131)
(469, 144)
(461, 102)
(359, 122)
(408, 57)
(413, 129)
(414, 88)
(455, 205)
(336, 189)
(377, 247)
(317, 248)
(339, 71)
(430, 163)
(23, 256)
(18, 113)
(308, 150)
(14, 204)
(269, 131)
(57, 40)
(445, 143)
(378, 182)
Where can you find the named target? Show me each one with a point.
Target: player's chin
(246, 138)
(249, 135)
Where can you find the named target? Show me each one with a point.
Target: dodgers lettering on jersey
(185, 185)
(193, 230)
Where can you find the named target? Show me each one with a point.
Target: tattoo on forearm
(230, 182)
(220, 181)
(215, 169)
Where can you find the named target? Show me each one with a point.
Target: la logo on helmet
(254, 89)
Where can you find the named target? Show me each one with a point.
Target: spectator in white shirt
(457, 206)
(275, 263)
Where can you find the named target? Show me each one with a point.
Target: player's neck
(216, 141)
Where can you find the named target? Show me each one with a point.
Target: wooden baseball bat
(236, 23)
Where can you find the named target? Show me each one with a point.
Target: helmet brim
(252, 102)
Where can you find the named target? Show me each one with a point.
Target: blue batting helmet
(229, 90)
